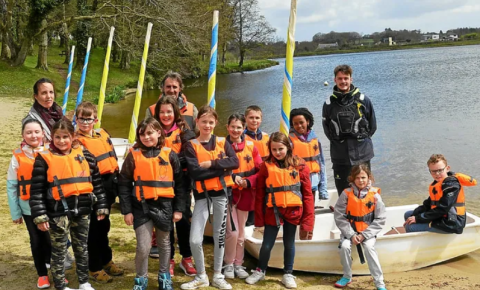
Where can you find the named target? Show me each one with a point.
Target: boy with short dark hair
(253, 118)
(444, 210)
(97, 141)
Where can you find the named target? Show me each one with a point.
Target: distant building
(327, 45)
(433, 37)
(453, 37)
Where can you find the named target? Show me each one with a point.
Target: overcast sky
(368, 16)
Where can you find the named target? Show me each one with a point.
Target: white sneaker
(199, 281)
(255, 277)
(220, 282)
(240, 272)
(86, 286)
(289, 281)
(228, 271)
(47, 265)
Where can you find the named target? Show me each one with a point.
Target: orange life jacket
(68, 175)
(216, 183)
(283, 186)
(174, 141)
(436, 192)
(360, 212)
(153, 176)
(24, 173)
(245, 158)
(261, 145)
(102, 148)
(309, 151)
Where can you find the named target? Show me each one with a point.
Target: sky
(368, 16)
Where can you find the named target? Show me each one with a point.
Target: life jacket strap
(313, 158)
(294, 188)
(246, 173)
(154, 183)
(437, 202)
(276, 212)
(57, 182)
(139, 183)
(105, 156)
(22, 182)
(369, 217)
(225, 189)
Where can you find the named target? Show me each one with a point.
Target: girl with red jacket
(283, 197)
(245, 179)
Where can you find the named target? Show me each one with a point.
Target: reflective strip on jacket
(360, 211)
(68, 175)
(102, 149)
(262, 145)
(308, 151)
(282, 186)
(436, 192)
(24, 173)
(153, 176)
(216, 183)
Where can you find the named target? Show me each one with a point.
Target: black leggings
(40, 245)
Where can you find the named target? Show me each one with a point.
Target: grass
(249, 65)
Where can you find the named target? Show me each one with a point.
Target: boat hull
(397, 252)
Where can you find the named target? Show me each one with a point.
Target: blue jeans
(419, 227)
(269, 237)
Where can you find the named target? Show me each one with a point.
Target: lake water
(426, 101)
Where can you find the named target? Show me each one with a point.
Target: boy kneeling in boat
(444, 210)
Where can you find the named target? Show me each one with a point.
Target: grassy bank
(18, 81)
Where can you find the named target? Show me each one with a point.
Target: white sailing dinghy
(398, 251)
(121, 146)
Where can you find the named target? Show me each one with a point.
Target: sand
(17, 270)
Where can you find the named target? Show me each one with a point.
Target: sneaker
(187, 266)
(228, 271)
(69, 259)
(382, 288)
(343, 282)
(240, 272)
(47, 265)
(112, 269)
(172, 267)
(100, 277)
(220, 282)
(140, 283)
(257, 275)
(289, 281)
(66, 281)
(164, 281)
(198, 282)
(323, 196)
(85, 286)
(154, 253)
(43, 282)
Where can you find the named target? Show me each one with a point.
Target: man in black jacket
(349, 123)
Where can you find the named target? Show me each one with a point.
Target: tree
(252, 29)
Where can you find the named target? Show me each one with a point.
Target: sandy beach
(17, 270)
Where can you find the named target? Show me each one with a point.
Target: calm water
(426, 101)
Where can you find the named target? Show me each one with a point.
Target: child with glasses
(444, 210)
(100, 264)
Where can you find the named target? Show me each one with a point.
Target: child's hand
(128, 218)
(238, 179)
(206, 164)
(43, 226)
(18, 221)
(177, 216)
(409, 221)
(100, 217)
(360, 238)
(306, 235)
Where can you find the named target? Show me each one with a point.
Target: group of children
(67, 188)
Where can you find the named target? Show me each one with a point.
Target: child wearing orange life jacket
(245, 179)
(177, 133)
(283, 197)
(154, 174)
(253, 118)
(444, 210)
(307, 146)
(65, 183)
(210, 163)
(19, 177)
(100, 264)
(360, 215)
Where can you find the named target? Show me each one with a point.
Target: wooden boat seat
(396, 231)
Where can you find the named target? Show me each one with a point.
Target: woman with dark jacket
(66, 185)
(153, 174)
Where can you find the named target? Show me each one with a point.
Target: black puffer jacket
(130, 204)
(42, 205)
